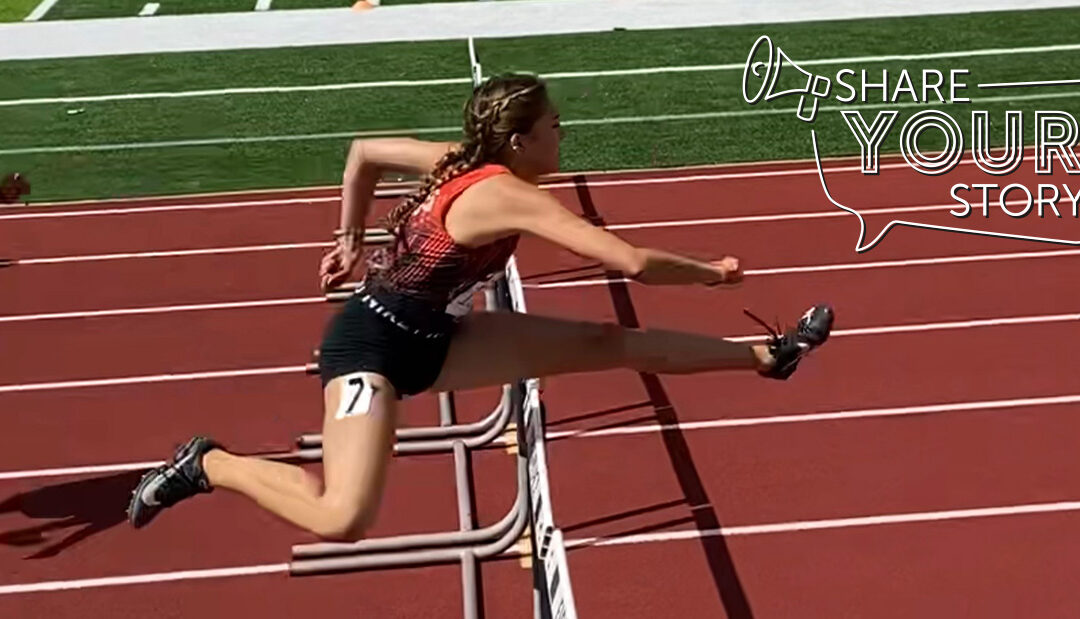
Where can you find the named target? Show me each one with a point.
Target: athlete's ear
(515, 142)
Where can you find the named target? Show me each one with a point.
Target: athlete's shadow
(74, 510)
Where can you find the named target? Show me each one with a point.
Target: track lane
(992, 567)
(578, 578)
(390, 594)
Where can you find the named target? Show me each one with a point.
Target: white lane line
(834, 523)
(80, 470)
(849, 266)
(402, 187)
(210, 251)
(163, 209)
(687, 426)
(884, 330)
(628, 182)
(154, 378)
(648, 225)
(141, 579)
(670, 536)
(852, 266)
(841, 415)
(165, 309)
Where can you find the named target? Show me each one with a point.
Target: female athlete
(399, 334)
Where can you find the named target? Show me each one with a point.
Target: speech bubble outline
(860, 247)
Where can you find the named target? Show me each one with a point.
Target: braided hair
(500, 107)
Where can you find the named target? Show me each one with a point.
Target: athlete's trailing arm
(367, 161)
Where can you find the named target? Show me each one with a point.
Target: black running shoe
(169, 484)
(788, 349)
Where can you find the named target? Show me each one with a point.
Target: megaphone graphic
(816, 87)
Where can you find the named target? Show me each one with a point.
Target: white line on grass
(239, 91)
(419, 83)
(150, 8)
(618, 120)
(263, 5)
(40, 10)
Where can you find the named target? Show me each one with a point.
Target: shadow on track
(74, 510)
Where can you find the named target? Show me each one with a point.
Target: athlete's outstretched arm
(529, 210)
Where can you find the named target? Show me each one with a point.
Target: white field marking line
(140, 579)
(842, 415)
(239, 91)
(1038, 83)
(149, 9)
(166, 208)
(549, 76)
(40, 10)
(850, 266)
(656, 428)
(760, 529)
(161, 309)
(263, 5)
(884, 330)
(566, 123)
(833, 523)
(175, 253)
(153, 378)
(220, 141)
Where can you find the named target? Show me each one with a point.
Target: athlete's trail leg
(356, 451)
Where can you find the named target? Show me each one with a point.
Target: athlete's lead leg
(492, 348)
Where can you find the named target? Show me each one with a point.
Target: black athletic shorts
(380, 331)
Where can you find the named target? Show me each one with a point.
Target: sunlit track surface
(924, 458)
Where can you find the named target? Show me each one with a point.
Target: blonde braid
(497, 108)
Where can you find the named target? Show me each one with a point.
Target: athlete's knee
(342, 522)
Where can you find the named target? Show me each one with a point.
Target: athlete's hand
(338, 264)
(728, 270)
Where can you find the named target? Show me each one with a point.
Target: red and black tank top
(427, 264)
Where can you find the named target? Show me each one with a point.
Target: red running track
(844, 492)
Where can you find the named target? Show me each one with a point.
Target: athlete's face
(538, 150)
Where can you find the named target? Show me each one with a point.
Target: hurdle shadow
(718, 556)
(630, 513)
(76, 510)
(594, 269)
(622, 408)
